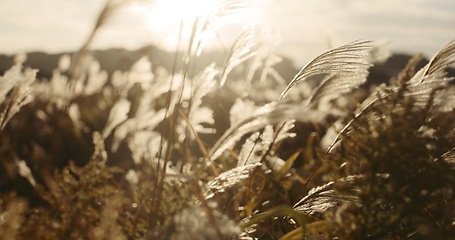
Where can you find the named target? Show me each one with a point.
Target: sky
(299, 29)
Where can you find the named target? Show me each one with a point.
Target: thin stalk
(279, 211)
(199, 141)
(160, 179)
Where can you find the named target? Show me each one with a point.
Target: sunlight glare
(165, 14)
(184, 10)
(164, 18)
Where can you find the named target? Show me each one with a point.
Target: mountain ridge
(114, 59)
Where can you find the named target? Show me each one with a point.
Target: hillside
(121, 59)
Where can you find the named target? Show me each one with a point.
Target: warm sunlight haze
(183, 10)
(164, 20)
(227, 119)
(301, 29)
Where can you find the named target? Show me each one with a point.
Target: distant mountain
(380, 73)
(121, 59)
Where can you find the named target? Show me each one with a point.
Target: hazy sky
(301, 29)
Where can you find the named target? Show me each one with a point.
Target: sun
(166, 19)
(171, 13)
(186, 10)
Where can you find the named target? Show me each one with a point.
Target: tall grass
(172, 155)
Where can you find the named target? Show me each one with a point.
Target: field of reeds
(162, 154)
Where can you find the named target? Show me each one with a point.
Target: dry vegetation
(160, 155)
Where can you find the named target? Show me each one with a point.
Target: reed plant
(152, 154)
